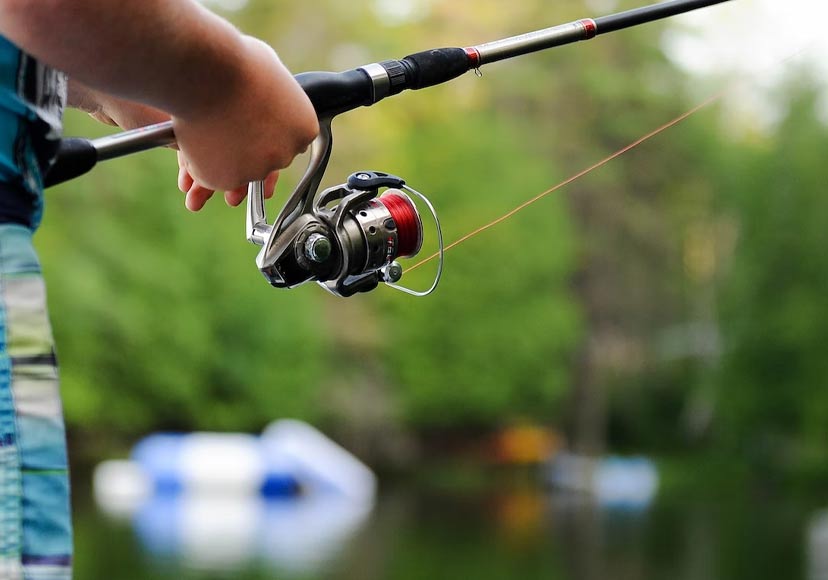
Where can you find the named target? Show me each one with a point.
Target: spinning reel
(347, 238)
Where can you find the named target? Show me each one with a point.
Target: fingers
(185, 180)
(197, 195)
(236, 196)
(270, 184)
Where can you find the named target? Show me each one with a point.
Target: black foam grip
(334, 93)
(75, 157)
(432, 67)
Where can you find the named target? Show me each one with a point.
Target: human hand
(261, 122)
(127, 115)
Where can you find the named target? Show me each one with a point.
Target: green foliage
(496, 341)
(772, 404)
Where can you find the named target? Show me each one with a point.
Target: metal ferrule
(533, 41)
(380, 80)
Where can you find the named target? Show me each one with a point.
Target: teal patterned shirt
(32, 98)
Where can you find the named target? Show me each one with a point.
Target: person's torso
(32, 98)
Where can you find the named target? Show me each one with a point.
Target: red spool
(409, 224)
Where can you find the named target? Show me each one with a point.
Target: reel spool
(407, 222)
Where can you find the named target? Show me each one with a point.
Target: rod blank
(647, 14)
(584, 29)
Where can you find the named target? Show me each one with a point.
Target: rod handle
(433, 67)
(75, 157)
(332, 93)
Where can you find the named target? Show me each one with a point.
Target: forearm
(127, 48)
(82, 97)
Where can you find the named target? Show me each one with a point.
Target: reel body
(347, 238)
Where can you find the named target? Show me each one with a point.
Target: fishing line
(577, 176)
(707, 102)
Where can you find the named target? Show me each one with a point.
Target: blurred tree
(773, 309)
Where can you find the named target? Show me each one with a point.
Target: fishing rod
(349, 237)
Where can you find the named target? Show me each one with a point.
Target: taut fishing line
(572, 179)
(668, 125)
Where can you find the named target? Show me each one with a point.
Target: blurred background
(625, 381)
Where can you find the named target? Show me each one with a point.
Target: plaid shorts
(35, 519)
